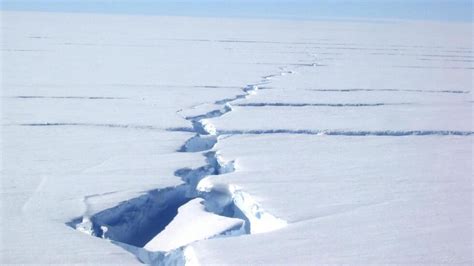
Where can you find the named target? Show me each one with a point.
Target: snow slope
(192, 224)
(225, 141)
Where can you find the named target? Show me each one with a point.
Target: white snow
(192, 223)
(187, 141)
(393, 200)
(260, 220)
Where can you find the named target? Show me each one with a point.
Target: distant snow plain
(187, 141)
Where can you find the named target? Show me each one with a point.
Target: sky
(439, 10)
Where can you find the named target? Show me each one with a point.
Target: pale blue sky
(452, 10)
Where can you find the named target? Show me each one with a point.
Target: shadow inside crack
(136, 221)
(136, 224)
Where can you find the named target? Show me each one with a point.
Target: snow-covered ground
(231, 141)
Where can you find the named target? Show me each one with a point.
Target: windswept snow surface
(187, 141)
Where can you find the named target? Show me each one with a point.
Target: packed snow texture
(187, 141)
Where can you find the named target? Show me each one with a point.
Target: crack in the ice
(395, 90)
(131, 126)
(318, 104)
(133, 223)
(355, 133)
(430, 67)
(68, 97)
(214, 113)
